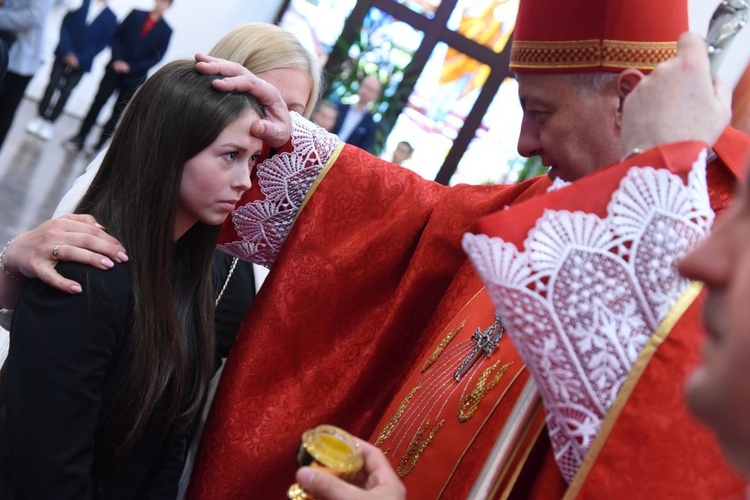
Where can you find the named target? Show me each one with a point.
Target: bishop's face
(574, 131)
(718, 392)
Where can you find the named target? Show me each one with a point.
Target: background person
(355, 123)
(25, 55)
(84, 33)
(403, 152)
(138, 44)
(325, 115)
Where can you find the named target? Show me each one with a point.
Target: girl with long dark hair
(101, 388)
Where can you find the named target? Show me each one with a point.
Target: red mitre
(575, 36)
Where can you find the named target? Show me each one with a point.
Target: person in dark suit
(84, 33)
(104, 408)
(139, 43)
(3, 59)
(355, 123)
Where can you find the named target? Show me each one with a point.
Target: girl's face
(214, 180)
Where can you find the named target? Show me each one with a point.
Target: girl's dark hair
(173, 116)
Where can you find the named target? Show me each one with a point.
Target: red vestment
(371, 276)
(340, 318)
(648, 445)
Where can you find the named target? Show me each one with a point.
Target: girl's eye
(254, 159)
(231, 156)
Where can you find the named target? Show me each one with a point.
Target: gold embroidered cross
(486, 343)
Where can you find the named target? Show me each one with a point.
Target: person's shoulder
(114, 283)
(106, 295)
(136, 14)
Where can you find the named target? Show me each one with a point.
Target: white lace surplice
(585, 294)
(284, 180)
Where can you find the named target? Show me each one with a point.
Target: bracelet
(632, 152)
(2, 264)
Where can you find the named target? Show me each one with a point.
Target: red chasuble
(372, 258)
(365, 319)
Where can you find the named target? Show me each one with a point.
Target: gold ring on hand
(55, 248)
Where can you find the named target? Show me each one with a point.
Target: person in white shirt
(356, 124)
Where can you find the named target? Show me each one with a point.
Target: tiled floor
(35, 174)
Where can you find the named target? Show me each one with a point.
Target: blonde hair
(262, 47)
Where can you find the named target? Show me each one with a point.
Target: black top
(234, 303)
(68, 358)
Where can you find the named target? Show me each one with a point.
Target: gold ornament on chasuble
(449, 397)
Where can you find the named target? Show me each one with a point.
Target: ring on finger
(55, 248)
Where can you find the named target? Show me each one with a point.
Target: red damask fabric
(340, 318)
(367, 283)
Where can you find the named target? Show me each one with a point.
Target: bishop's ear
(626, 82)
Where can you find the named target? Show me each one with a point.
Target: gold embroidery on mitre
(416, 447)
(396, 417)
(469, 403)
(441, 347)
(590, 53)
(644, 55)
(570, 54)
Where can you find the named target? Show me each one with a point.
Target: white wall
(197, 25)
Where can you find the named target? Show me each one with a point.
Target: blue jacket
(85, 41)
(140, 53)
(363, 134)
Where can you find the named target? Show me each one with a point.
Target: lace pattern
(583, 298)
(557, 184)
(284, 180)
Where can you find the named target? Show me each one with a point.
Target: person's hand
(377, 480)
(677, 101)
(71, 60)
(276, 128)
(78, 238)
(121, 67)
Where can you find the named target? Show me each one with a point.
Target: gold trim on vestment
(331, 160)
(576, 54)
(662, 332)
(479, 429)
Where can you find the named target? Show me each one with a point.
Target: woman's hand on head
(78, 238)
(276, 128)
(376, 481)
